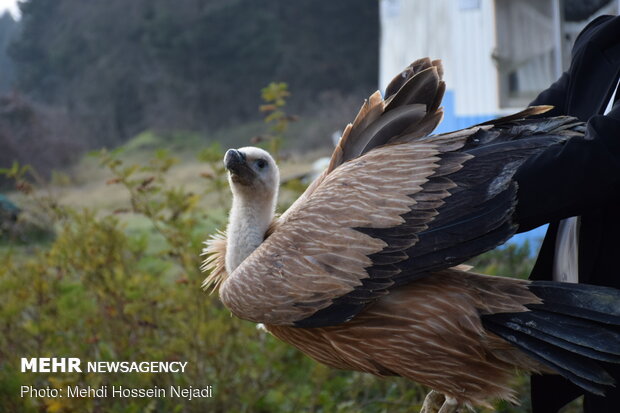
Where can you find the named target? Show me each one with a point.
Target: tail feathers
(569, 333)
(574, 331)
(581, 370)
(590, 302)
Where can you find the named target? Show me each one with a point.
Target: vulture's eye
(261, 163)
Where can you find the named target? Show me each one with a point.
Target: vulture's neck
(250, 216)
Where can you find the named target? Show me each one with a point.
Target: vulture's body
(360, 272)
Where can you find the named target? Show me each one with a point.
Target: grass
(87, 184)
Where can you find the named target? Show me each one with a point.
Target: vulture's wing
(396, 206)
(419, 91)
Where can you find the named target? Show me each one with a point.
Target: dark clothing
(580, 178)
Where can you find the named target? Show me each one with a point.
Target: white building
(497, 54)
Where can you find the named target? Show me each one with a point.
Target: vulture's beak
(236, 164)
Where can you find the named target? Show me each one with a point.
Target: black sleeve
(570, 179)
(605, 30)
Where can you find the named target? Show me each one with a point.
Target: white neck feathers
(250, 216)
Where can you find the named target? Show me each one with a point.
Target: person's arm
(569, 179)
(557, 94)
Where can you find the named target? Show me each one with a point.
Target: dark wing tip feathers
(602, 303)
(575, 331)
(411, 107)
(414, 68)
(580, 370)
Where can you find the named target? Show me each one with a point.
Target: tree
(8, 29)
(120, 67)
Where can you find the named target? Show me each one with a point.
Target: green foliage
(16, 171)
(510, 260)
(217, 182)
(177, 141)
(274, 95)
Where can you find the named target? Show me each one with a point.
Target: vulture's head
(254, 180)
(252, 171)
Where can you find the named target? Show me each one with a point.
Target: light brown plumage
(358, 272)
(450, 351)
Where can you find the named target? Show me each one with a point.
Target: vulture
(364, 271)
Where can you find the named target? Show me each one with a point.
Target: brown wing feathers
(412, 104)
(418, 114)
(434, 319)
(317, 253)
(438, 232)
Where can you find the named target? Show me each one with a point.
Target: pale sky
(10, 5)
